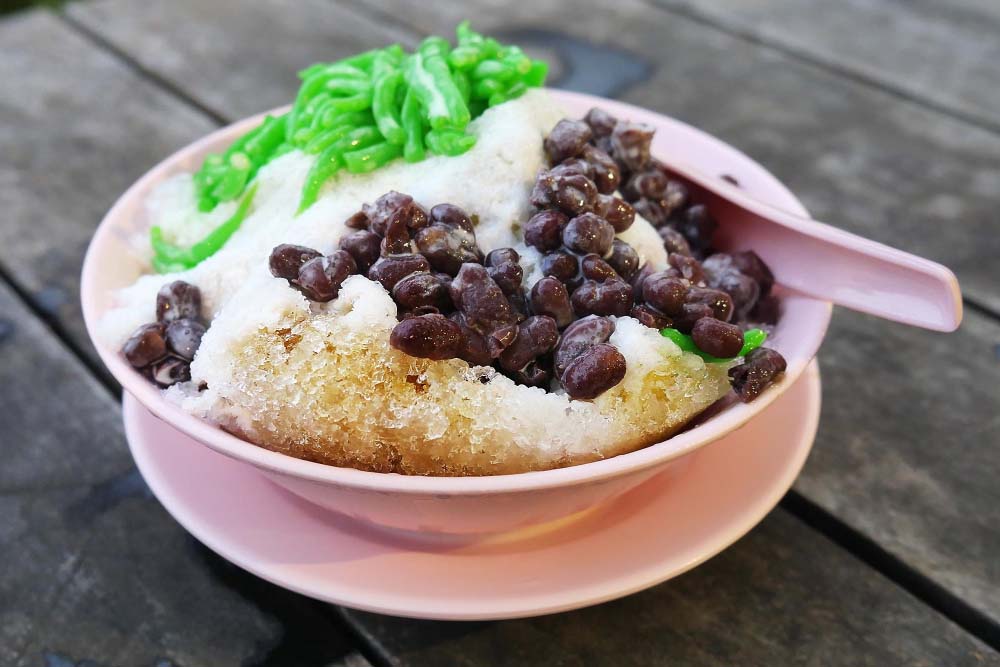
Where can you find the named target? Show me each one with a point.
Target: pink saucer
(661, 529)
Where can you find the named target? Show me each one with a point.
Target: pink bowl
(462, 505)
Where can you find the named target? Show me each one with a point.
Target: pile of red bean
(710, 295)
(454, 302)
(162, 351)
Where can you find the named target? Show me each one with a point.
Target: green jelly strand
(352, 112)
(413, 125)
(752, 339)
(449, 142)
(171, 258)
(331, 160)
(326, 165)
(388, 79)
(428, 76)
(371, 158)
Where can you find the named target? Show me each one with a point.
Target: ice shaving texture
(325, 386)
(320, 381)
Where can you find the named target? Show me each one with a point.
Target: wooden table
(882, 116)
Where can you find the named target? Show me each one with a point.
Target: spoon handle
(822, 261)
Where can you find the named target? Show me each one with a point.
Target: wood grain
(903, 453)
(940, 53)
(78, 128)
(783, 595)
(235, 61)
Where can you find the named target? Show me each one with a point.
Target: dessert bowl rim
(656, 454)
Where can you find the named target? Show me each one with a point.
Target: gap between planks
(896, 570)
(852, 541)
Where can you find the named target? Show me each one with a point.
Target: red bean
(618, 212)
(600, 121)
(650, 211)
(364, 246)
(184, 337)
(594, 372)
(566, 140)
(536, 336)
(574, 165)
(750, 264)
(674, 241)
(649, 183)
(449, 214)
(630, 144)
(393, 268)
(422, 291)
(538, 373)
(719, 339)
(767, 310)
(760, 369)
(448, 246)
(572, 193)
(595, 268)
(603, 169)
(544, 230)
(321, 277)
(718, 301)
(579, 337)
(146, 346)
(178, 300)
(623, 259)
(358, 221)
(561, 265)
(486, 308)
(650, 317)
(722, 274)
(428, 336)
(286, 260)
(697, 226)
(170, 371)
(665, 293)
(639, 278)
(474, 349)
(588, 233)
(690, 314)
(611, 297)
(394, 206)
(675, 196)
(503, 267)
(688, 267)
(549, 297)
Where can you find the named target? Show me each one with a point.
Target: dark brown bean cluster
(162, 351)
(453, 302)
(710, 295)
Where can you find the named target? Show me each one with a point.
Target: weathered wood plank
(78, 128)
(93, 567)
(881, 166)
(886, 167)
(781, 596)
(944, 53)
(906, 450)
(235, 59)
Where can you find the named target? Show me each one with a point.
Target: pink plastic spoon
(828, 263)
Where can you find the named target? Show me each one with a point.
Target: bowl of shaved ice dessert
(435, 295)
